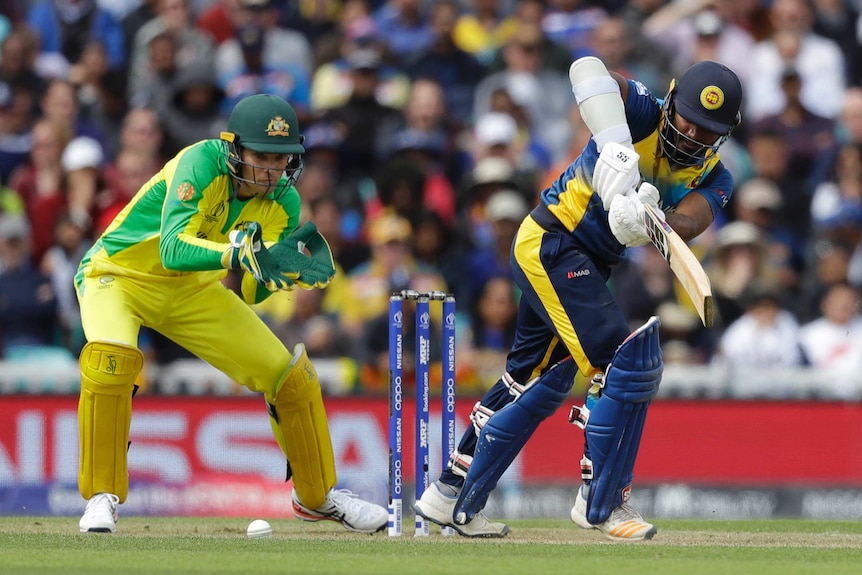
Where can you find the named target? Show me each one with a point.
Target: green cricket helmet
(267, 124)
(708, 95)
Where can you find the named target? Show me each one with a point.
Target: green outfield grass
(208, 545)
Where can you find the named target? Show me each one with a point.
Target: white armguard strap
(600, 102)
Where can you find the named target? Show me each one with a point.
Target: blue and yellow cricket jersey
(571, 202)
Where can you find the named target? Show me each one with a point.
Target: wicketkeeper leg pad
(108, 374)
(613, 430)
(301, 428)
(506, 431)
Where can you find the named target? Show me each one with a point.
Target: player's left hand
(626, 215)
(315, 270)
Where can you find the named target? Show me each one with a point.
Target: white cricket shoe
(100, 515)
(624, 524)
(343, 506)
(437, 507)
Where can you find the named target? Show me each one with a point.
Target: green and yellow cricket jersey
(178, 223)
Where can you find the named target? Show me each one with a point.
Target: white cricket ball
(259, 529)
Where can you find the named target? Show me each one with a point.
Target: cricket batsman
(568, 320)
(220, 204)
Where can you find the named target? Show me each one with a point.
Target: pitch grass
(30, 545)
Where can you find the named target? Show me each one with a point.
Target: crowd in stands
(431, 126)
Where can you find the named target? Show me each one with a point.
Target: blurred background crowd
(431, 126)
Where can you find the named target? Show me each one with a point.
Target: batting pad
(507, 431)
(108, 374)
(613, 431)
(299, 423)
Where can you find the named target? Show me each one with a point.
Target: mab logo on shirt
(577, 274)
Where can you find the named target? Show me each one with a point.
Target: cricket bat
(683, 263)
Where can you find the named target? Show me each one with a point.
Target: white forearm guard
(600, 102)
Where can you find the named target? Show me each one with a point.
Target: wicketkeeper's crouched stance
(568, 320)
(219, 204)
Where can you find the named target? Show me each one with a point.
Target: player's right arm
(193, 181)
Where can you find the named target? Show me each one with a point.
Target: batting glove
(626, 215)
(246, 252)
(616, 172)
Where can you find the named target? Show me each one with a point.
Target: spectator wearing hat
(155, 89)
(391, 267)
(504, 211)
(488, 176)
(82, 162)
(265, 58)
(448, 65)
(737, 260)
(28, 320)
(194, 111)
(495, 134)
(758, 201)
(544, 96)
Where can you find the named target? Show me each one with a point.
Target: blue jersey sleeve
(643, 111)
(717, 187)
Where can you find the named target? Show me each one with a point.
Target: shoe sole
(303, 515)
(581, 521)
(98, 530)
(646, 537)
(457, 528)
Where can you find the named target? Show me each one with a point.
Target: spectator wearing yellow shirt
(390, 268)
(483, 29)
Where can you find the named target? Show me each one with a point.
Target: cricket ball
(259, 529)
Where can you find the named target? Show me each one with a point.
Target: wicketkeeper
(642, 150)
(220, 204)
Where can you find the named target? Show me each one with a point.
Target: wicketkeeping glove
(616, 172)
(247, 252)
(626, 216)
(316, 270)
